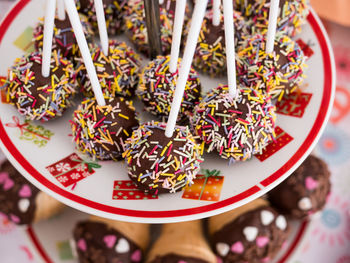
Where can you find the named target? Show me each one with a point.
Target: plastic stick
(48, 35)
(271, 30)
(177, 31)
(102, 28)
(216, 12)
(196, 24)
(230, 47)
(84, 49)
(61, 12)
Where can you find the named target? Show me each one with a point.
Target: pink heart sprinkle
(237, 247)
(262, 241)
(25, 191)
(181, 261)
(310, 183)
(3, 177)
(81, 244)
(8, 184)
(264, 260)
(110, 240)
(136, 256)
(15, 219)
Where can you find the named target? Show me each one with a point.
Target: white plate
(239, 184)
(50, 239)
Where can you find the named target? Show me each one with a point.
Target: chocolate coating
(158, 164)
(114, 13)
(100, 131)
(33, 95)
(98, 243)
(174, 258)
(291, 17)
(157, 87)
(255, 236)
(17, 195)
(63, 36)
(305, 191)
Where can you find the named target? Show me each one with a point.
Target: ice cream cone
(183, 239)
(218, 222)
(46, 207)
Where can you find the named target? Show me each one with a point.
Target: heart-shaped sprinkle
(266, 217)
(181, 261)
(15, 219)
(23, 205)
(122, 246)
(25, 191)
(265, 260)
(222, 249)
(110, 240)
(250, 233)
(3, 177)
(81, 244)
(8, 184)
(305, 204)
(281, 222)
(237, 247)
(136, 256)
(310, 183)
(262, 241)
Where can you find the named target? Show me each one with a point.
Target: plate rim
(92, 207)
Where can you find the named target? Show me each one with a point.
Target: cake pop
(20, 201)
(305, 191)
(236, 127)
(158, 164)
(157, 86)
(282, 71)
(118, 72)
(37, 97)
(251, 233)
(64, 37)
(100, 131)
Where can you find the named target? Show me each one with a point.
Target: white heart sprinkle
(305, 203)
(222, 249)
(250, 233)
(23, 205)
(266, 217)
(281, 222)
(122, 246)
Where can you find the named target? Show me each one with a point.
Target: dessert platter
(57, 152)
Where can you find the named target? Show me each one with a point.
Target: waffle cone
(183, 239)
(136, 232)
(46, 207)
(218, 222)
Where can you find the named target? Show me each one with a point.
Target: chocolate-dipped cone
(252, 233)
(46, 207)
(103, 240)
(181, 241)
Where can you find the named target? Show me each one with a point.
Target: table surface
(328, 237)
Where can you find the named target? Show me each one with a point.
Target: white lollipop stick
(271, 30)
(102, 28)
(216, 12)
(193, 34)
(49, 24)
(177, 31)
(61, 12)
(230, 47)
(84, 49)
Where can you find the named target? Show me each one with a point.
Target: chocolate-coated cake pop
(63, 36)
(157, 87)
(235, 127)
(282, 71)
(118, 72)
(158, 164)
(114, 14)
(305, 191)
(252, 233)
(37, 97)
(100, 131)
